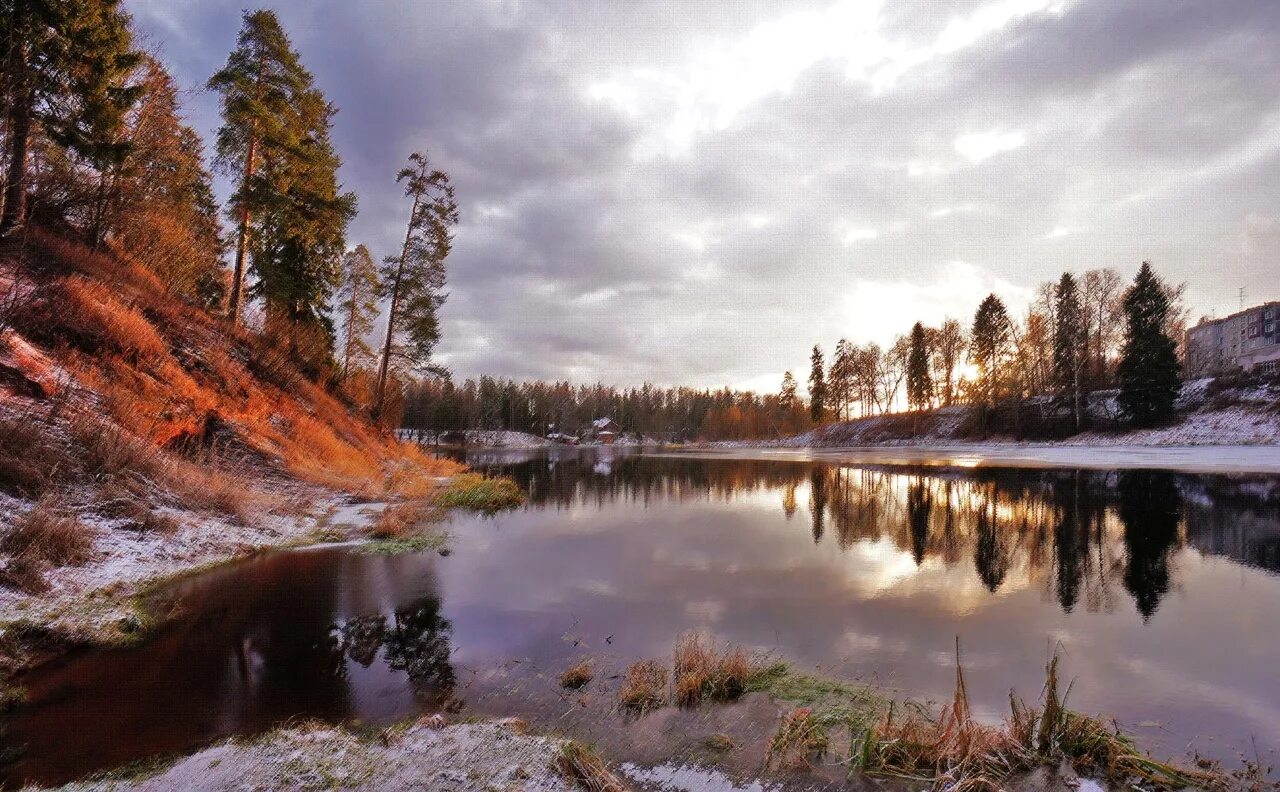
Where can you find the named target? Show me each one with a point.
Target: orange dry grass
(704, 671)
(41, 538)
(644, 686)
(96, 314)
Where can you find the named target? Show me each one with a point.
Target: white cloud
(984, 145)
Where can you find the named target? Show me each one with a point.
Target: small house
(600, 425)
(606, 437)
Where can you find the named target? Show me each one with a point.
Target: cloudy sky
(697, 191)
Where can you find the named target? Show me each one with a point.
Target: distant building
(605, 425)
(605, 430)
(1245, 340)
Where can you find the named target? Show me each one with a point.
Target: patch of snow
(689, 778)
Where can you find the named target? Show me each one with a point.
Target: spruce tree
(1069, 345)
(1148, 369)
(258, 88)
(64, 73)
(357, 306)
(787, 394)
(919, 381)
(415, 279)
(817, 385)
(989, 346)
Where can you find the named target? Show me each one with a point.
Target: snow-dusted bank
(1190, 459)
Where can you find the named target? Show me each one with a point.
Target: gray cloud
(698, 192)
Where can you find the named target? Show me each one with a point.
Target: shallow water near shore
(1161, 590)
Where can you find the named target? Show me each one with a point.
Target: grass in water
(645, 686)
(429, 540)
(705, 671)
(949, 750)
(577, 675)
(481, 493)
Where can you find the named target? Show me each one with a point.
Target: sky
(697, 191)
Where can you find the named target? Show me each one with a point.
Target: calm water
(1162, 589)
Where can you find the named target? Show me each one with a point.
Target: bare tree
(948, 348)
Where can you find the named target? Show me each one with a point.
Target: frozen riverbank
(1190, 459)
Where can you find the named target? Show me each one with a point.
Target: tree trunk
(15, 190)
(236, 297)
(381, 392)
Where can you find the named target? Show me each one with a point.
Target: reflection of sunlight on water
(966, 461)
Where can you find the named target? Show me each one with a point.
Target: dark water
(1162, 590)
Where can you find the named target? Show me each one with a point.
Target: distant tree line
(94, 147)
(1078, 336)
(434, 404)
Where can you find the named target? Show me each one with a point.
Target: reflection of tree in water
(1150, 508)
(919, 507)
(990, 556)
(416, 640)
(1067, 529)
(362, 637)
(818, 502)
(1070, 541)
(418, 643)
(789, 499)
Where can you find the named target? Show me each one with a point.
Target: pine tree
(989, 346)
(64, 73)
(1069, 344)
(296, 252)
(357, 306)
(1148, 369)
(415, 279)
(787, 394)
(817, 386)
(919, 381)
(258, 87)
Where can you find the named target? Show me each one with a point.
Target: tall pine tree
(1069, 343)
(64, 71)
(990, 343)
(919, 381)
(817, 386)
(415, 279)
(258, 88)
(1148, 369)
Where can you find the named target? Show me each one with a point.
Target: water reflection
(866, 572)
(1080, 532)
(324, 634)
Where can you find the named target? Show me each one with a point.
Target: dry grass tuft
(44, 537)
(578, 674)
(30, 456)
(583, 766)
(703, 670)
(97, 319)
(954, 752)
(401, 519)
(801, 737)
(644, 686)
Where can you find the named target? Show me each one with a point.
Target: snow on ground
(461, 758)
(502, 438)
(91, 602)
(1191, 459)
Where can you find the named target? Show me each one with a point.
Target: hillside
(141, 436)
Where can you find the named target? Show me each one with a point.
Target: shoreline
(1203, 459)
